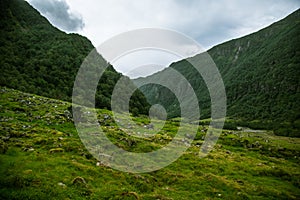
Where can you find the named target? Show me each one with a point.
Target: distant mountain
(38, 58)
(261, 74)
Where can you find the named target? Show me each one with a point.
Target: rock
(61, 184)
(106, 117)
(56, 150)
(30, 149)
(67, 114)
(150, 126)
(228, 152)
(134, 194)
(78, 180)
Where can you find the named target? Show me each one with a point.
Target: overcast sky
(207, 22)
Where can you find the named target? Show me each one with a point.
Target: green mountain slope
(38, 58)
(42, 157)
(260, 73)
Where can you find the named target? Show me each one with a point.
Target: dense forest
(38, 58)
(260, 73)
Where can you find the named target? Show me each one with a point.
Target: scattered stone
(129, 127)
(106, 117)
(67, 114)
(78, 180)
(56, 150)
(5, 139)
(134, 194)
(30, 149)
(62, 184)
(149, 126)
(228, 152)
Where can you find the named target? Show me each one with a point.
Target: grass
(42, 157)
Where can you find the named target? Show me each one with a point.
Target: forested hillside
(38, 58)
(261, 76)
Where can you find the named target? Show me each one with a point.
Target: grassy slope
(243, 165)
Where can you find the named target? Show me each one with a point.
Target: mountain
(260, 73)
(38, 58)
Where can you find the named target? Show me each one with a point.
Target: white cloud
(59, 14)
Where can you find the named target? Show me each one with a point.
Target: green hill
(38, 58)
(261, 76)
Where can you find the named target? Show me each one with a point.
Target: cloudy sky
(207, 22)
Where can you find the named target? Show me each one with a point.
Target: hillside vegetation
(42, 157)
(38, 58)
(260, 73)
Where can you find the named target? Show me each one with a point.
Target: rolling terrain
(42, 157)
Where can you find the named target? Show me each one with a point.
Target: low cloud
(58, 12)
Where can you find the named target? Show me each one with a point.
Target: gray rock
(78, 180)
(62, 184)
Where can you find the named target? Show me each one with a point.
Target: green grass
(42, 157)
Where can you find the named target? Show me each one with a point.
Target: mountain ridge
(260, 73)
(36, 57)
